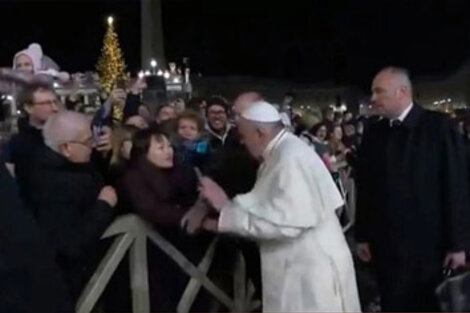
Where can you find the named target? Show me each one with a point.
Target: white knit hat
(42, 64)
(34, 52)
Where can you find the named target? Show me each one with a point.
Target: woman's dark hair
(120, 135)
(315, 128)
(332, 131)
(161, 107)
(142, 140)
(349, 125)
(339, 115)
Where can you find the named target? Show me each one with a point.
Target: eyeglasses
(55, 102)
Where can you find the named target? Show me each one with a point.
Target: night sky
(316, 41)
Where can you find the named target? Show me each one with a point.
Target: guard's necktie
(395, 123)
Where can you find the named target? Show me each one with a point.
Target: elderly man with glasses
(39, 102)
(68, 197)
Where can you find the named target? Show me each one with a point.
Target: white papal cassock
(305, 261)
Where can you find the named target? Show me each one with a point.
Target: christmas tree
(111, 67)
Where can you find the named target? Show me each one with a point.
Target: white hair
(64, 127)
(401, 73)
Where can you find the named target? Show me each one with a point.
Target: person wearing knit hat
(306, 264)
(217, 121)
(220, 131)
(217, 100)
(30, 67)
(29, 60)
(231, 164)
(33, 61)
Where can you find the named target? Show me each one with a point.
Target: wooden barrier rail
(131, 234)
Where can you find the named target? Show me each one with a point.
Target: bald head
(244, 100)
(64, 127)
(391, 92)
(398, 77)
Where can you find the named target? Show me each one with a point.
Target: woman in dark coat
(162, 193)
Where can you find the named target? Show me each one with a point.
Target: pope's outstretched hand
(213, 193)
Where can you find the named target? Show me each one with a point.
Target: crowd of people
(237, 167)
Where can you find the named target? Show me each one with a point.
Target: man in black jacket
(70, 201)
(231, 165)
(219, 131)
(30, 280)
(235, 170)
(40, 102)
(413, 217)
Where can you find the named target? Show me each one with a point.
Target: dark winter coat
(65, 201)
(30, 280)
(412, 204)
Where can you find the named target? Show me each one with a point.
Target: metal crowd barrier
(350, 202)
(347, 188)
(131, 234)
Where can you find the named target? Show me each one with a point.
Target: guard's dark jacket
(412, 205)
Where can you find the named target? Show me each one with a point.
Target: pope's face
(251, 138)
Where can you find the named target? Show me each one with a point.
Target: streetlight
(141, 74)
(110, 20)
(147, 73)
(153, 64)
(166, 75)
(176, 80)
(160, 73)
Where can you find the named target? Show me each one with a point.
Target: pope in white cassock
(305, 260)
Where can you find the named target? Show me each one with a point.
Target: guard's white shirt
(403, 114)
